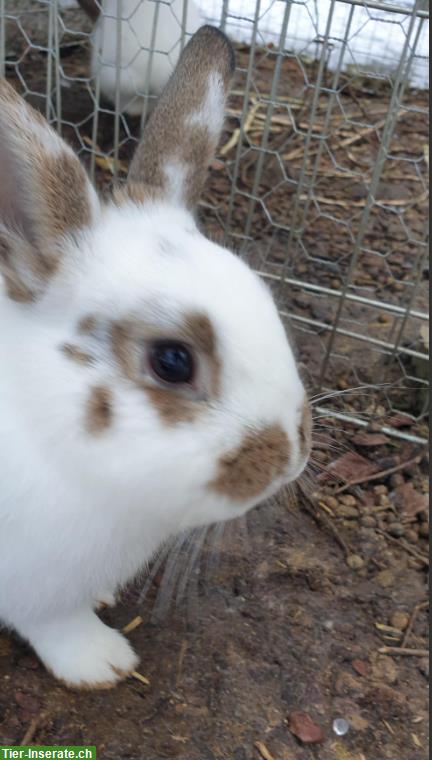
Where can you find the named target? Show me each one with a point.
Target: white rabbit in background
(145, 25)
(147, 385)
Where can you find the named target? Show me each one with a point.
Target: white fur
(81, 514)
(132, 60)
(210, 114)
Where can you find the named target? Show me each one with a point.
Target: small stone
(385, 578)
(399, 620)
(348, 500)
(381, 524)
(383, 500)
(368, 521)
(331, 502)
(396, 529)
(335, 283)
(397, 479)
(302, 726)
(424, 530)
(360, 667)
(411, 535)
(340, 726)
(354, 561)
(350, 513)
(380, 490)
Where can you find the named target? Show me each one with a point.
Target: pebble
(348, 500)
(396, 529)
(380, 490)
(340, 726)
(368, 521)
(385, 578)
(350, 513)
(424, 530)
(331, 502)
(354, 561)
(335, 284)
(384, 500)
(397, 479)
(411, 535)
(381, 525)
(399, 620)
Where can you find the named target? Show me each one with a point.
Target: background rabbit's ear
(181, 136)
(45, 194)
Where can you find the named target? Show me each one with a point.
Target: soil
(290, 612)
(289, 615)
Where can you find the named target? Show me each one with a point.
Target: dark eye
(171, 361)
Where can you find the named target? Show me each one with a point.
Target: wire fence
(321, 180)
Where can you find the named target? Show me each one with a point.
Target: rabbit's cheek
(246, 472)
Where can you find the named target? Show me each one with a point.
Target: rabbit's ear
(181, 136)
(45, 195)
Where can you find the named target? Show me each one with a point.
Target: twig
(237, 132)
(133, 624)
(31, 730)
(404, 652)
(399, 542)
(139, 677)
(413, 617)
(182, 653)
(262, 749)
(381, 474)
(322, 519)
(364, 201)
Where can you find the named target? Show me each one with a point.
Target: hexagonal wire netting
(321, 176)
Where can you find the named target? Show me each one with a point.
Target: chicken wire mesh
(321, 180)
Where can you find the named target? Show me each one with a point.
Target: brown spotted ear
(181, 136)
(45, 194)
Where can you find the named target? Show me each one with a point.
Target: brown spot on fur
(23, 270)
(99, 412)
(87, 324)
(46, 196)
(77, 354)
(305, 430)
(168, 137)
(246, 471)
(137, 192)
(172, 407)
(64, 187)
(129, 338)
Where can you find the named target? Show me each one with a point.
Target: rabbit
(140, 73)
(147, 384)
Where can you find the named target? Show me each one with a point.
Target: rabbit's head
(146, 363)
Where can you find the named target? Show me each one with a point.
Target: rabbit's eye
(171, 361)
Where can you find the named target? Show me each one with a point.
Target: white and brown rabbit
(146, 382)
(124, 34)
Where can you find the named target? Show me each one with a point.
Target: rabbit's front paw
(83, 652)
(106, 599)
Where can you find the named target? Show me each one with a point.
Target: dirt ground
(293, 617)
(314, 609)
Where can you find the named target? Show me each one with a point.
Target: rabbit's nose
(246, 471)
